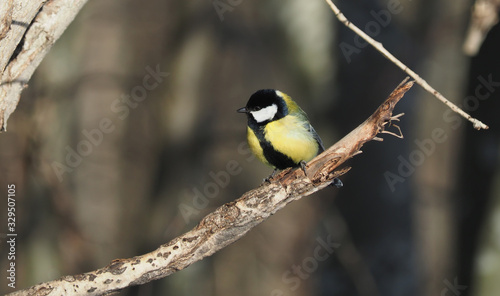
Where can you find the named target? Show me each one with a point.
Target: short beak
(242, 110)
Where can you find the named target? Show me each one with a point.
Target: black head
(264, 106)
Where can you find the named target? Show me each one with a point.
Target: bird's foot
(271, 176)
(337, 183)
(303, 165)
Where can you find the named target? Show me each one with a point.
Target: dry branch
(419, 80)
(28, 29)
(231, 221)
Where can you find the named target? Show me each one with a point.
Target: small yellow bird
(279, 132)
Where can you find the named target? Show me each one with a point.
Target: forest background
(127, 136)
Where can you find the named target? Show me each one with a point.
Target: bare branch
(378, 46)
(229, 222)
(28, 30)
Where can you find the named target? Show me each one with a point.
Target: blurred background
(117, 143)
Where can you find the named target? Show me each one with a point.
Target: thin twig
(378, 46)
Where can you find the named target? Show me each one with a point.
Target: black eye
(257, 108)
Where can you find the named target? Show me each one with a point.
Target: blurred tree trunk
(477, 212)
(424, 217)
(377, 216)
(444, 66)
(103, 71)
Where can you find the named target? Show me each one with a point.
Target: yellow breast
(254, 144)
(291, 137)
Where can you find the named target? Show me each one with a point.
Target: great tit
(279, 132)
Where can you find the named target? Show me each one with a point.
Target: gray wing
(313, 132)
(317, 138)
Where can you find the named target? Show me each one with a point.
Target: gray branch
(231, 221)
(28, 29)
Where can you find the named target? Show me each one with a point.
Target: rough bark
(28, 29)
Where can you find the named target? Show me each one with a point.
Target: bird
(279, 132)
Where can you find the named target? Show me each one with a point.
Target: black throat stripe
(274, 157)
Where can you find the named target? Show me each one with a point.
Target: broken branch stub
(321, 168)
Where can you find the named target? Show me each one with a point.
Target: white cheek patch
(265, 114)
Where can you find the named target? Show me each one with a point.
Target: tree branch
(231, 221)
(28, 29)
(419, 80)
